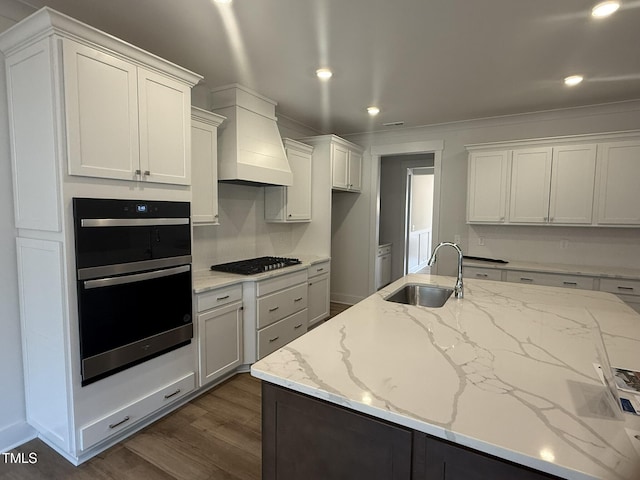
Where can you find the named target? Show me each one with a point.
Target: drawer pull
(273, 339)
(168, 396)
(297, 299)
(298, 326)
(484, 275)
(222, 298)
(319, 269)
(273, 309)
(570, 283)
(525, 279)
(625, 288)
(125, 419)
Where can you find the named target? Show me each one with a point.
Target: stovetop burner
(255, 265)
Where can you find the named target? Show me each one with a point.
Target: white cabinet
(619, 195)
(383, 266)
(482, 273)
(488, 186)
(550, 279)
(293, 203)
(346, 167)
(124, 121)
(530, 182)
(204, 166)
(628, 290)
(219, 332)
(319, 292)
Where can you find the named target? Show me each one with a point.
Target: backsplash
(611, 247)
(242, 232)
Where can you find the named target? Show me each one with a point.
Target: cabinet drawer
(218, 297)
(319, 269)
(132, 413)
(620, 286)
(280, 333)
(550, 279)
(281, 304)
(482, 273)
(265, 287)
(384, 250)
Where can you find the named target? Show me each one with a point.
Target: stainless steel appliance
(255, 265)
(133, 261)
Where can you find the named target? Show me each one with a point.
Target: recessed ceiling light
(573, 80)
(604, 9)
(373, 111)
(324, 73)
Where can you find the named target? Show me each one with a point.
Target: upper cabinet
(488, 186)
(345, 159)
(204, 166)
(293, 203)
(555, 181)
(120, 113)
(619, 195)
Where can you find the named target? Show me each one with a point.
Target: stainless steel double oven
(133, 261)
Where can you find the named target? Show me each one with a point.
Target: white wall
(13, 427)
(586, 246)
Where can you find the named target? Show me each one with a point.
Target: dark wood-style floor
(214, 437)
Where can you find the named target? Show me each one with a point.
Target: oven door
(127, 319)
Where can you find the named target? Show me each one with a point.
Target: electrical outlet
(456, 239)
(481, 241)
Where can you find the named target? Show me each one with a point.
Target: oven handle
(137, 277)
(131, 222)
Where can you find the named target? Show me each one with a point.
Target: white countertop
(205, 280)
(508, 370)
(593, 271)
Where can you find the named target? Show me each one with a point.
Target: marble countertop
(593, 271)
(508, 371)
(205, 280)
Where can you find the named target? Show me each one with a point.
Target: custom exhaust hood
(250, 149)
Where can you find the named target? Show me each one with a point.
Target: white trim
(15, 435)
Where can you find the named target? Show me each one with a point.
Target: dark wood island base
(307, 438)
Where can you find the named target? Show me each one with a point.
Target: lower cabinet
(220, 339)
(319, 292)
(550, 279)
(303, 437)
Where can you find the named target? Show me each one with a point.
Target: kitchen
(242, 207)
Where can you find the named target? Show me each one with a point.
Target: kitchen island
(499, 384)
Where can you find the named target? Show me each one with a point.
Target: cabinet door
(165, 119)
(619, 195)
(298, 195)
(204, 188)
(219, 341)
(487, 189)
(318, 304)
(572, 181)
(355, 171)
(530, 183)
(437, 459)
(101, 106)
(340, 166)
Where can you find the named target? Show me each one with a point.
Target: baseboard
(15, 435)
(346, 299)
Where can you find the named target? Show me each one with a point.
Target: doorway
(406, 210)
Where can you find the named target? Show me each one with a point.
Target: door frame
(408, 210)
(378, 151)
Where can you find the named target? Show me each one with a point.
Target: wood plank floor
(215, 436)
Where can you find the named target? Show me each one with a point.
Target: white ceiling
(420, 61)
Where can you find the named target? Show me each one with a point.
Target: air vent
(393, 124)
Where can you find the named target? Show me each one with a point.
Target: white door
(204, 189)
(298, 196)
(619, 171)
(488, 186)
(530, 183)
(355, 171)
(572, 181)
(165, 119)
(101, 105)
(340, 166)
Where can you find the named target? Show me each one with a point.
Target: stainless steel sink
(423, 295)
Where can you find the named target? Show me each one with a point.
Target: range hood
(250, 150)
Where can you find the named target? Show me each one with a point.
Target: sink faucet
(459, 288)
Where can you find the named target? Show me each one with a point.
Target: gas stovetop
(255, 265)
